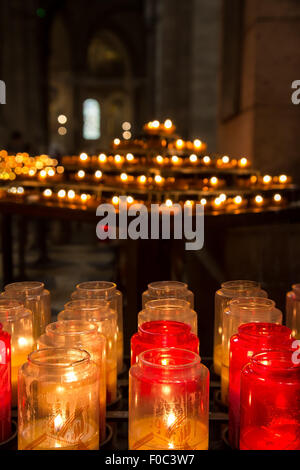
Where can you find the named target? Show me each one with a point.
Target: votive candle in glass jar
(270, 397)
(163, 334)
(293, 310)
(169, 309)
(98, 312)
(167, 289)
(58, 401)
(240, 311)
(36, 298)
(251, 338)
(17, 321)
(223, 296)
(5, 386)
(168, 401)
(81, 334)
(104, 290)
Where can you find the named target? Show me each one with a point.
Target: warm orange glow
(47, 192)
(129, 157)
(168, 124)
(193, 158)
(238, 200)
(282, 179)
(259, 199)
(81, 174)
(214, 181)
(83, 157)
(243, 162)
(98, 174)
(277, 197)
(197, 143)
(61, 193)
(124, 176)
(115, 200)
(267, 179)
(102, 158)
(206, 160)
(71, 194)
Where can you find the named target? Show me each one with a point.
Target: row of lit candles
(218, 202)
(192, 160)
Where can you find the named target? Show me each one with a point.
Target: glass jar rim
(166, 286)
(83, 357)
(12, 309)
(251, 303)
(167, 304)
(106, 287)
(95, 315)
(27, 287)
(71, 328)
(144, 359)
(240, 284)
(256, 330)
(93, 304)
(175, 328)
(280, 359)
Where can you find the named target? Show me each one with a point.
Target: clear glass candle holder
(270, 397)
(58, 401)
(251, 338)
(5, 385)
(163, 334)
(17, 321)
(168, 401)
(229, 290)
(103, 290)
(293, 310)
(36, 298)
(240, 311)
(169, 309)
(167, 289)
(99, 312)
(81, 334)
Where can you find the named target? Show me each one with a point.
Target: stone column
(257, 117)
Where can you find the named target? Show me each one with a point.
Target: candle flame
(58, 422)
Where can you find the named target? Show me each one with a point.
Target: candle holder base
(219, 402)
(225, 438)
(115, 403)
(12, 442)
(109, 434)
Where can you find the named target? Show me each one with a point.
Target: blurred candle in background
(228, 291)
(163, 334)
(67, 419)
(99, 312)
(5, 385)
(293, 310)
(270, 397)
(169, 309)
(250, 339)
(168, 401)
(17, 321)
(81, 334)
(103, 290)
(239, 311)
(167, 289)
(36, 298)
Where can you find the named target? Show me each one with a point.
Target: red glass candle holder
(163, 334)
(5, 386)
(251, 339)
(168, 401)
(270, 397)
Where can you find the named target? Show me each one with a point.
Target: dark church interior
(180, 103)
